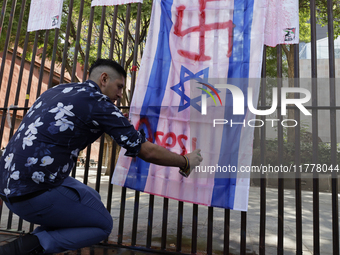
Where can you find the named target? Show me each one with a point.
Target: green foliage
(321, 16)
(15, 24)
(304, 29)
(271, 63)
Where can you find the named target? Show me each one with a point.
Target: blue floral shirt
(61, 123)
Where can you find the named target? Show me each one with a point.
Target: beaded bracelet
(185, 171)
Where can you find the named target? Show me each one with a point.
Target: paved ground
(6, 237)
(253, 220)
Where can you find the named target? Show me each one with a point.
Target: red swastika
(201, 28)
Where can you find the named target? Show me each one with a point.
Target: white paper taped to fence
(282, 22)
(113, 2)
(44, 14)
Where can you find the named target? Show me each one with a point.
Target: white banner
(44, 14)
(113, 2)
(282, 22)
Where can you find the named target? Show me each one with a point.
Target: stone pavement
(253, 221)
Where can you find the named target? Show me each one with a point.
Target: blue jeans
(70, 216)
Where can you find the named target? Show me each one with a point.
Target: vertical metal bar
(194, 229)
(31, 227)
(263, 182)
(42, 65)
(8, 36)
(1, 206)
(87, 56)
(87, 164)
(121, 216)
(77, 45)
(243, 233)
(2, 15)
(110, 186)
(73, 172)
(135, 218)
(114, 145)
(1, 23)
(280, 230)
(126, 30)
(316, 214)
(164, 222)
(150, 221)
(54, 53)
(9, 220)
(123, 202)
(88, 45)
(179, 226)
(100, 42)
(226, 231)
(335, 188)
(135, 51)
(102, 139)
(298, 198)
(62, 71)
(100, 162)
(20, 222)
(17, 95)
(210, 230)
(29, 83)
(113, 34)
(92, 251)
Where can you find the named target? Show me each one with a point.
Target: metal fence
(33, 62)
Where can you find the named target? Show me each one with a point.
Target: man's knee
(107, 227)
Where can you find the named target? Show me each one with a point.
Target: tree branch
(284, 47)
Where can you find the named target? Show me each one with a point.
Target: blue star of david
(187, 75)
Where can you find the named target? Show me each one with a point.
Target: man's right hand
(194, 158)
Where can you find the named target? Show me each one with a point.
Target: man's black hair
(110, 63)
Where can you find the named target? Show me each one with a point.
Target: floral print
(118, 114)
(38, 177)
(62, 110)
(67, 90)
(47, 160)
(31, 161)
(15, 175)
(64, 124)
(28, 141)
(32, 128)
(8, 160)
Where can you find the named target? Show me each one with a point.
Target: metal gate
(278, 221)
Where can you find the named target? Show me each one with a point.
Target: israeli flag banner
(200, 68)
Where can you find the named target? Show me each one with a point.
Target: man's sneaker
(25, 245)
